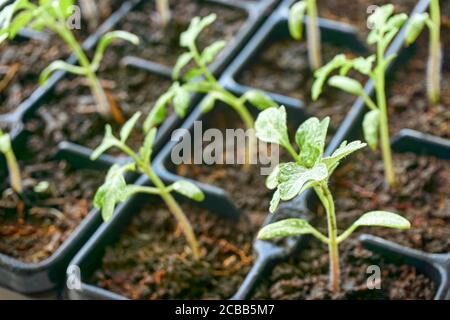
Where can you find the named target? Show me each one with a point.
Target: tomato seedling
(115, 189)
(385, 27)
(311, 169)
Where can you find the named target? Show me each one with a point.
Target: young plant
(415, 27)
(53, 15)
(115, 189)
(11, 161)
(162, 6)
(296, 15)
(198, 79)
(385, 28)
(312, 170)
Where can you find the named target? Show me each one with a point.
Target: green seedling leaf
(371, 125)
(59, 65)
(286, 228)
(323, 73)
(106, 40)
(128, 127)
(343, 151)
(181, 101)
(188, 190)
(259, 99)
(415, 27)
(379, 18)
(112, 192)
(158, 113)
(20, 22)
(109, 141)
(295, 20)
(310, 137)
(146, 150)
(66, 7)
(208, 103)
(382, 219)
(192, 74)
(295, 179)
(275, 202)
(188, 37)
(364, 65)
(182, 61)
(397, 21)
(272, 179)
(347, 84)
(271, 126)
(211, 51)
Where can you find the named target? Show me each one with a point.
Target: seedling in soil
(386, 26)
(115, 189)
(312, 170)
(198, 79)
(415, 27)
(11, 161)
(296, 15)
(53, 15)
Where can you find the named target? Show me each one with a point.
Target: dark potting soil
(71, 115)
(409, 106)
(306, 277)
(161, 44)
(22, 60)
(282, 67)
(152, 259)
(33, 229)
(356, 12)
(422, 195)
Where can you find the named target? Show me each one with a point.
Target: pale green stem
(162, 6)
(434, 62)
(167, 198)
(313, 35)
(384, 124)
(98, 93)
(326, 198)
(14, 171)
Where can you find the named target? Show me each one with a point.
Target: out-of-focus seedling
(115, 189)
(198, 79)
(311, 169)
(11, 161)
(296, 15)
(375, 124)
(415, 27)
(162, 6)
(53, 15)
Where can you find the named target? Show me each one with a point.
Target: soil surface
(71, 115)
(282, 67)
(408, 89)
(54, 202)
(161, 44)
(306, 277)
(22, 60)
(422, 196)
(152, 260)
(356, 12)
